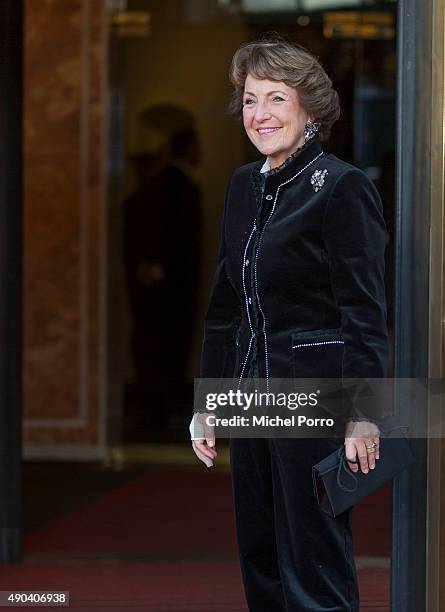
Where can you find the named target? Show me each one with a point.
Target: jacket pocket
(317, 353)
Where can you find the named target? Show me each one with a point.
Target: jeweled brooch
(317, 179)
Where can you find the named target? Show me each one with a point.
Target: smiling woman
(298, 293)
(269, 73)
(274, 119)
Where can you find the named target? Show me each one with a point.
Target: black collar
(291, 166)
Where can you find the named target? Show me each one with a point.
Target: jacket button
(269, 197)
(247, 263)
(250, 300)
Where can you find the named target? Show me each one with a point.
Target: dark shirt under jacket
(318, 266)
(259, 181)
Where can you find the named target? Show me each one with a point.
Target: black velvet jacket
(299, 283)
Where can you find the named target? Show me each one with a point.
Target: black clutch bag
(337, 487)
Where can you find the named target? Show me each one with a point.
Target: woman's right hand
(203, 439)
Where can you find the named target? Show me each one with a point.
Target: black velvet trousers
(294, 558)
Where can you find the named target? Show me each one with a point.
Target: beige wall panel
(63, 220)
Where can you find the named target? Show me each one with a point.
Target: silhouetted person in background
(162, 243)
(146, 262)
(184, 203)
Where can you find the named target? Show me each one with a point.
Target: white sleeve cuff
(196, 428)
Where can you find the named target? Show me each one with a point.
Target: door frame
(417, 566)
(11, 139)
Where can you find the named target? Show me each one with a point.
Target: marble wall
(64, 224)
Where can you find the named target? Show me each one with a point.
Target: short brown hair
(276, 58)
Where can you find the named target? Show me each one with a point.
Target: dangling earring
(310, 129)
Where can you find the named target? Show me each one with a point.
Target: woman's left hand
(362, 444)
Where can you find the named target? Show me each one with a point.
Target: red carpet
(174, 512)
(372, 520)
(165, 542)
(153, 586)
(161, 586)
(165, 512)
